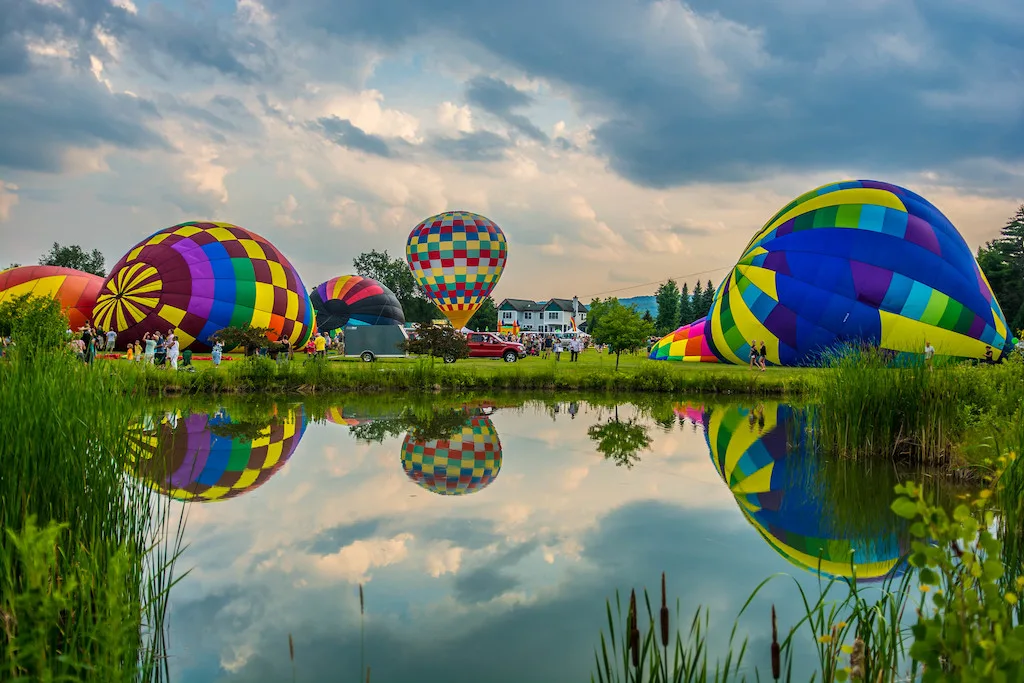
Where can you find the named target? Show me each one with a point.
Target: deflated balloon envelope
(74, 290)
(467, 461)
(211, 456)
(763, 453)
(355, 300)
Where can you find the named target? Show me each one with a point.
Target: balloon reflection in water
(766, 457)
(467, 461)
(210, 456)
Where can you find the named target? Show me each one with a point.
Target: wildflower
(985, 493)
(825, 639)
(1011, 598)
(841, 624)
(925, 588)
(1020, 582)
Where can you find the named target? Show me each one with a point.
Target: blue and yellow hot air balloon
(457, 258)
(764, 455)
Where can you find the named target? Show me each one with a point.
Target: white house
(554, 315)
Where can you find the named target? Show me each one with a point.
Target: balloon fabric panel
(467, 462)
(198, 278)
(76, 291)
(355, 300)
(689, 343)
(457, 258)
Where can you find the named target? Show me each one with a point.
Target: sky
(616, 142)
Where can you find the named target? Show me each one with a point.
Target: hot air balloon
(689, 343)
(856, 261)
(457, 258)
(468, 461)
(210, 456)
(198, 278)
(765, 457)
(355, 300)
(76, 291)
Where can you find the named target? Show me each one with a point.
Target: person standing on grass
(172, 351)
(138, 351)
(558, 349)
(754, 356)
(150, 342)
(218, 349)
(111, 340)
(320, 346)
(764, 356)
(929, 353)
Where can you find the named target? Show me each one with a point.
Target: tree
(697, 300)
(1002, 262)
(394, 274)
(73, 256)
(708, 299)
(622, 329)
(486, 317)
(437, 341)
(13, 265)
(252, 339)
(620, 441)
(685, 306)
(594, 312)
(667, 297)
(648, 318)
(36, 324)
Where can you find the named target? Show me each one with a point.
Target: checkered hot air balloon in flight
(457, 258)
(197, 278)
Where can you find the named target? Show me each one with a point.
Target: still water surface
(487, 536)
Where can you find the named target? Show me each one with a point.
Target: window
(507, 315)
(552, 315)
(477, 338)
(528, 315)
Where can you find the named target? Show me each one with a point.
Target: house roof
(520, 305)
(564, 305)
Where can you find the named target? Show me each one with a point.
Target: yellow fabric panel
(264, 296)
(762, 278)
(291, 309)
(860, 195)
(172, 314)
(247, 479)
(260, 318)
(134, 254)
(277, 276)
(184, 338)
(253, 250)
(905, 334)
(274, 452)
(758, 482)
(44, 286)
(213, 493)
(221, 234)
(187, 230)
(751, 328)
(716, 324)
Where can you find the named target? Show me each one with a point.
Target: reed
(86, 554)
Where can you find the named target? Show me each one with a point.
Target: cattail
(776, 660)
(857, 660)
(367, 674)
(664, 613)
(291, 648)
(361, 599)
(634, 632)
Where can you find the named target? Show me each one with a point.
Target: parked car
(490, 345)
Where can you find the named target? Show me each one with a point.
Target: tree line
(678, 307)
(1002, 262)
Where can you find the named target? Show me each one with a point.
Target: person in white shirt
(172, 352)
(929, 353)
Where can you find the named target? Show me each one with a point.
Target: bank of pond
(461, 536)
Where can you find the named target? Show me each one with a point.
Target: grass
(594, 372)
(84, 571)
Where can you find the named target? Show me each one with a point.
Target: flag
(515, 327)
(573, 322)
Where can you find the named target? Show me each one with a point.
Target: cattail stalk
(362, 637)
(291, 655)
(664, 624)
(857, 660)
(776, 659)
(634, 631)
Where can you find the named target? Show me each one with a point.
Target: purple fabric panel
(870, 282)
(196, 453)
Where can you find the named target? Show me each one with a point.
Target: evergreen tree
(668, 307)
(685, 306)
(709, 298)
(1002, 261)
(648, 318)
(697, 300)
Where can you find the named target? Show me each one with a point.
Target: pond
(487, 534)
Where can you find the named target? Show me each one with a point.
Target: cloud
(8, 199)
(501, 99)
(343, 133)
(481, 145)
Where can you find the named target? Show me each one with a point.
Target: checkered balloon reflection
(464, 463)
(198, 278)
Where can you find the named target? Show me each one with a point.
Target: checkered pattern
(467, 462)
(856, 261)
(765, 457)
(74, 290)
(187, 459)
(457, 258)
(689, 344)
(198, 278)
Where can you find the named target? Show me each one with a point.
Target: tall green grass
(86, 557)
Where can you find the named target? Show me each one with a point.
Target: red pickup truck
(490, 345)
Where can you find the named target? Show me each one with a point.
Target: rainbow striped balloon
(689, 343)
(466, 462)
(457, 258)
(198, 278)
(355, 300)
(74, 290)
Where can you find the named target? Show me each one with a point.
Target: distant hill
(642, 303)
